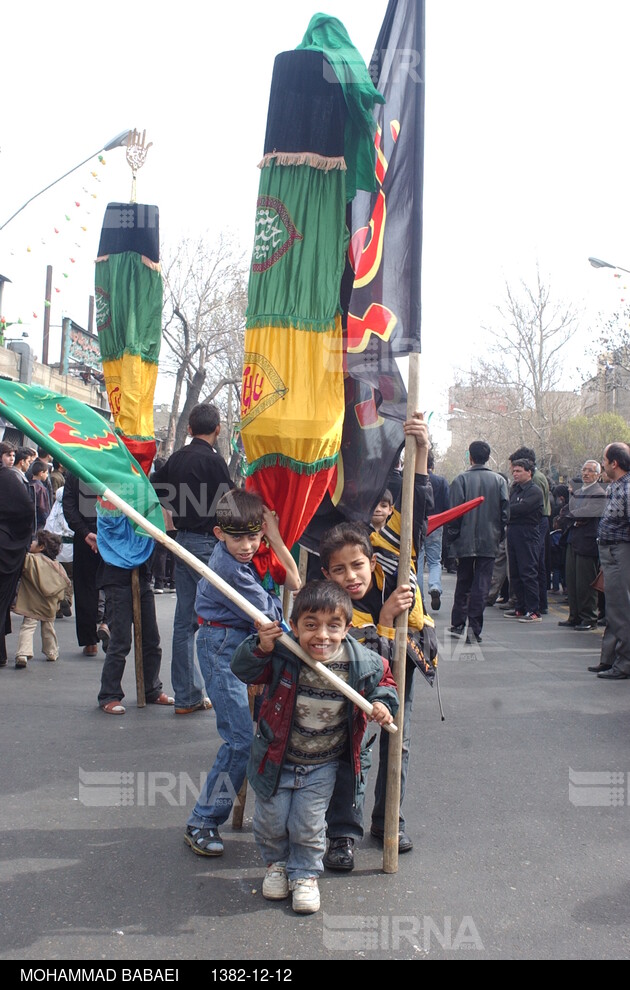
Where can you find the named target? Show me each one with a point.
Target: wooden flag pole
(250, 610)
(137, 637)
(394, 753)
(238, 808)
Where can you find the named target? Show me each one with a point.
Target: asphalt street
(518, 804)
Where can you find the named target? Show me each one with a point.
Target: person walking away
(476, 537)
(43, 584)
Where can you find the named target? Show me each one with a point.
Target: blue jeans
(230, 700)
(290, 826)
(185, 676)
(432, 551)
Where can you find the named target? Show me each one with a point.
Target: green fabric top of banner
(128, 298)
(328, 35)
(299, 249)
(83, 441)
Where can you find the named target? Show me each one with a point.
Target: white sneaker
(21, 662)
(276, 885)
(305, 895)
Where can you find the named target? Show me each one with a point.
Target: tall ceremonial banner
(84, 442)
(383, 317)
(128, 293)
(318, 149)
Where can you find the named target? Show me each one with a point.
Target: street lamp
(598, 263)
(117, 142)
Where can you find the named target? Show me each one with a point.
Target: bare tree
(584, 438)
(515, 390)
(203, 328)
(614, 343)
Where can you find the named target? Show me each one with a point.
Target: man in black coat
(475, 538)
(523, 542)
(586, 506)
(79, 508)
(16, 527)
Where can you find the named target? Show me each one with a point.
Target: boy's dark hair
(38, 466)
(22, 453)
(6, 447)
(239, 511)
(430, 460)
(525, 463)
(387, 496)
(479, 451)
(322, 596)
(524, 453)
(42, 452)
(50, 542)
(203, 419)
(344, 535)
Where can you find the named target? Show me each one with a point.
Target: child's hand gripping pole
(250, 610)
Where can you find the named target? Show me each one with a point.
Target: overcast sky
(526, 147)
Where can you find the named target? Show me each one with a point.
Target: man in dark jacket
(475, 538)
(586, 506)
(16, 526)
(523, 541)
(189, 485)
(79, 509)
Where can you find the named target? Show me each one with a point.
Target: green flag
(84, 442)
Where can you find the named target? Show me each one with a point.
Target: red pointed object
(441, 518)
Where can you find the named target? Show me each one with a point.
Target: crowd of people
(534, 539)
(305, 749)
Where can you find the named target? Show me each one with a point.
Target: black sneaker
(472, 637)
(456, 630)
(436, 599)
(404, 842)
(204, 841)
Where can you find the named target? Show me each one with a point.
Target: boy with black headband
(243, 520)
